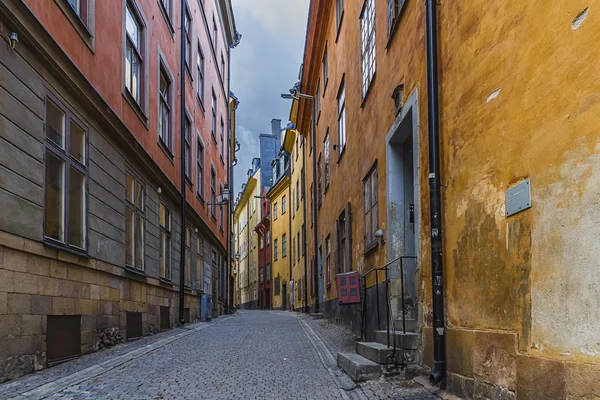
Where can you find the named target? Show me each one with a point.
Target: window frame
(83, 21)
(284, 245)
(188, 37)
(200, 163)
(395, 10)
(325, 69)
(140, 107)
(187, 278)
(327, 162)
(166, 144)
(189, 171)
(167, 231)
(199, 263)
(370, 241)
(368, 45)
(213, 121)
(213, 192)
(275, 249)
(222, 141)
(328, 260)
(167, 12)
(137, 212)
(283, 204)
(275, 216)
(342, 134)
(339, 14)
(68, 161)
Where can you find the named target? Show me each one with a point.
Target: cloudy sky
(264, 65)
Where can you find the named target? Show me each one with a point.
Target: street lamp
(222, 198)
(295, 94)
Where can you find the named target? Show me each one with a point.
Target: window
(297, 194)
(371, 213)
(283, 204)
(293, 249)
(311, 133)
(275, 211)
(325, 69)
(293, 208)
(262, 242)
(80, 8)
(134, 223)
(213, 192)
(342, 118)
(394, 7)
(213, 124)
(222, 66)
(367, 42)
(283, 245)
(343, 230)
(302, 184)
(328, 260)
(200, 167)
(215, 31)
(165, 242)
(268, 238)
(318, 100)
(275, 249)
(188, 38)
(298, 244)
(164, 110)
(166, 6)
(221, 213)
(200, 74)
(188, 147)
(326, 152)
(319, 181)
(222, 140)
(65, 197)
(261, 275)
(188, 257)
(312, 205)
(268, 272)
(339, 12)
(303, 239)
(133, 54)
(199, 260)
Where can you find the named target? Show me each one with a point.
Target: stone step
(406, 341)
(358, 367)
(377, 352)
(411, 325)
(317, 315)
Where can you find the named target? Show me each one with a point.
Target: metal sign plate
(518, 198)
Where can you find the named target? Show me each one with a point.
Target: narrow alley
(288, 360)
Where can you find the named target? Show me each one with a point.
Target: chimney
(275, 127)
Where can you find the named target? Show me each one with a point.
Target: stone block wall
(36, 281)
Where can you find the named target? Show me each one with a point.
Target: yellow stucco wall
(280, 227)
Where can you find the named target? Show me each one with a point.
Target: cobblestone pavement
(250, 355)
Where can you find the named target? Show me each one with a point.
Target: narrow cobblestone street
(250, 355)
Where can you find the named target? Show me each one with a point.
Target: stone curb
(60, 384)
(342, 381)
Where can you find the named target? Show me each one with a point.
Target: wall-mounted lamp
(12, 39)
(222, 198)
(379, 234)
(159, 190)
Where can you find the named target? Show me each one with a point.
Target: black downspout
(315, 237)
(182, 140)
(303, 177)
(439, 355)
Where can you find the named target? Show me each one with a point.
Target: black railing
(389, 317)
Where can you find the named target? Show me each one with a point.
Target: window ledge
(165, 15)
(188, 181)
(371, 246)
(189, 74)
(166, 150)
(341, 153)
(395, 24)
(214, 138)
(50, 243)
(82, 29)
(200, 102)
(165, 281)
(136, 107)
(134, 271)
(371, 84)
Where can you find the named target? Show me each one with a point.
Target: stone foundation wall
(486, 365)
(36, 281)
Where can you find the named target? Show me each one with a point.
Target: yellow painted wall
(279, 227)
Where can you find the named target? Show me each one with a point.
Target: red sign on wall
(348, 288)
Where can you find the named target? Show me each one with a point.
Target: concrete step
(317, 315)
(357, 367)
(411, 325)
(377, 352)
(406, 341)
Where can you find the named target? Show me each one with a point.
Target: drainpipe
(230, 149)
(303, 177)
(183, 188)
(439, 355)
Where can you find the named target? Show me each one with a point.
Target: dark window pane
(55, 124)
(129, 236)
(54, 197)
(77, 209)
(77, 142)
(139, 243)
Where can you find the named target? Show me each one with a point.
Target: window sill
(395, 24)
(342, 152)
(371, 246)
(200, 102)
(82, 29)
(189, 73)
(59, 246)
(166, 150)
(165, 281)
(165, 15)
(188, 182)
(371, 84)
(132, 270)
(199, 197)
(136, 107)
(214, 138)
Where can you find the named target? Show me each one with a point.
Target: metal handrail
(388, 305)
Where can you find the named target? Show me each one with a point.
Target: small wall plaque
(518, 198)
